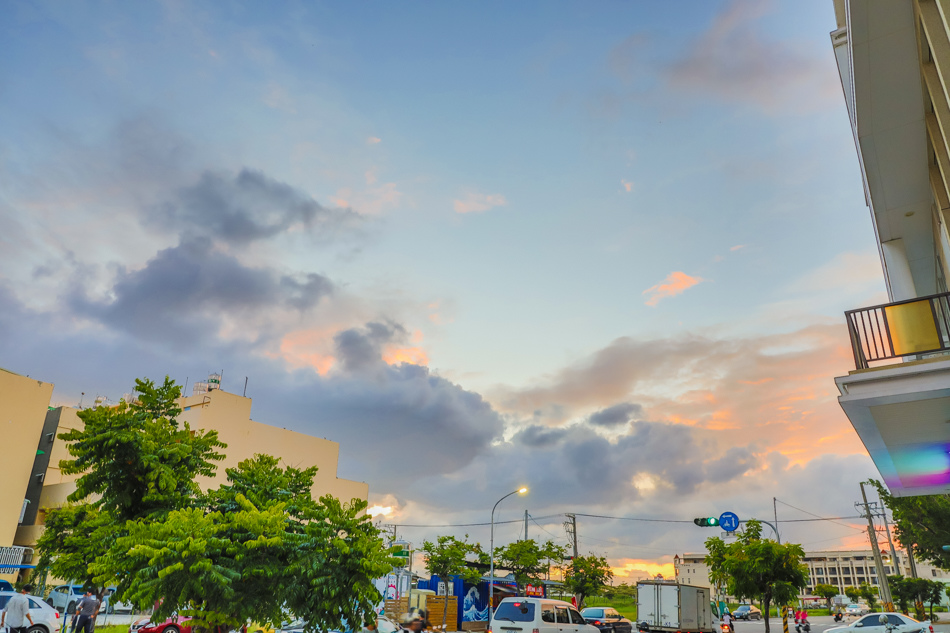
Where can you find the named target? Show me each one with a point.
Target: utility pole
(775, 513)
(878, 562)
(887, 528)
(526, 525)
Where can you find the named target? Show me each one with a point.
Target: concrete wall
(230, 415)
(23, 406)
(224, 412)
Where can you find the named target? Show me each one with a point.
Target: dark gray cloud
(359, 349)
(616, 415)
(246, 207)
(538, 436)
(181, 291)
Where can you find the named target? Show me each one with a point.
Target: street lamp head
(522, 491)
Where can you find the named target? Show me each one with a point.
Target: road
(819, 624)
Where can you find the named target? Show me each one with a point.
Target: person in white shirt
(727, 620)
(17, 612)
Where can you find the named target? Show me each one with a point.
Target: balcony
(898, 397)
(906, 329)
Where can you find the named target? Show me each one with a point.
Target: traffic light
(707, 522)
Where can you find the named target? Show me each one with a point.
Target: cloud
(478, 202)
(183, 291)
(732, 61)
(675, 283)
(360, 349)
(372, 140)
(245, 207)
(627, 185)
(616, 415)
(737, 247)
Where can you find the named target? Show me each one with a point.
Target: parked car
(539, 615)
(857, 609)
(45, 618)
(607, 619)
(747, 612)
(6, 586)
(174, 624)
(64, 598)
(118, 607)
(871, 623)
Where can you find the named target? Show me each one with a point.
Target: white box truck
(671, 607)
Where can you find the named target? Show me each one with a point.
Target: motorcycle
(802, 626)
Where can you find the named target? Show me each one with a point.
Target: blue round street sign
(729, 521)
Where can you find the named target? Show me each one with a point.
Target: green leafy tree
(527, 560)
(587, 576)
(934, 594)
(902, 591)
(826, 591)
(853, 593)
(923, 520)
(135, 459)
(869, 594)
(757, 568)
(449, 556)
(259, 544)
(74, 535)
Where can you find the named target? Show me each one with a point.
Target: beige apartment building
(893, 59)
(845, 568)
(35, 483)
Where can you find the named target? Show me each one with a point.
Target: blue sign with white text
(729, 521)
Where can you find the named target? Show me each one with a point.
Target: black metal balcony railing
(904, 328)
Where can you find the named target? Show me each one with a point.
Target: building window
(933, 571)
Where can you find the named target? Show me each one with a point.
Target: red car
(174, 624)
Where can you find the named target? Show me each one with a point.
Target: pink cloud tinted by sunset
(675, 283)
(478, 202)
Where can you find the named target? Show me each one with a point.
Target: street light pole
(491, 548)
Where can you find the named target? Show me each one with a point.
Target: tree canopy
(826, 591)
(252, 548)
(756, 568)
(587, 576)
(527, 560)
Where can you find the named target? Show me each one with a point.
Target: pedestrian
(88, 610)
(17, 612)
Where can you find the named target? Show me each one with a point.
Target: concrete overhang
(902, 414)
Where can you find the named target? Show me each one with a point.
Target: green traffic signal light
(706, 521)
(712, 522)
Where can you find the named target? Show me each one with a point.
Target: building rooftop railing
(901, 329)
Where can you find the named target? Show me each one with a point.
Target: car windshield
(742, 607)
(592, 613)
(515, 611)
(78, 591)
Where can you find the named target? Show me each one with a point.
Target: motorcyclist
(727, 620)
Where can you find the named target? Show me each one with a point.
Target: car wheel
(71, 608)
(171, 628)
(37, 628)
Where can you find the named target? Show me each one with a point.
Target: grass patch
(112, 628)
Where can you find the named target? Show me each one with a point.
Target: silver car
(46, 619)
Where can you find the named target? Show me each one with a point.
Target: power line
(832, 520)
(420, 525)
(604, 516)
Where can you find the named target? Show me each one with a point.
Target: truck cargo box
(669, 606)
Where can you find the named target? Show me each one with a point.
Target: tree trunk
(767, 610)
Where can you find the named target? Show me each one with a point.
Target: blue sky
(496, 186)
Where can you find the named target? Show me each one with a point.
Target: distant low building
(33, 481)
(845, 568)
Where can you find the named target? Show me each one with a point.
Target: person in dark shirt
(88, 610)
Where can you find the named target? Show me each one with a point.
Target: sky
(599, 249)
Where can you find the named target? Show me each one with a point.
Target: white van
(538, 615)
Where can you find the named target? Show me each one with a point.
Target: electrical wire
(604, 516)
(420, 525)
(832, 520)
